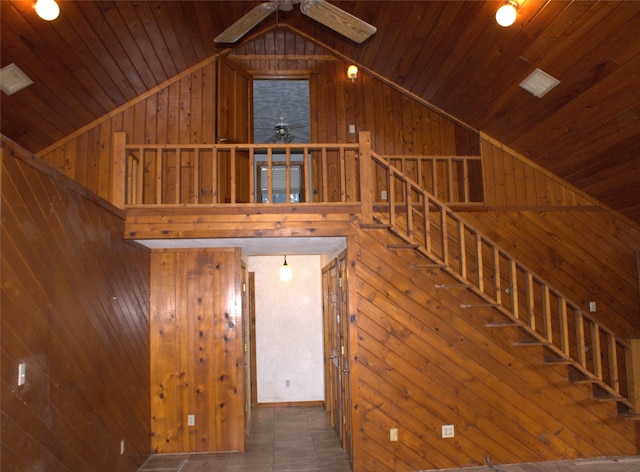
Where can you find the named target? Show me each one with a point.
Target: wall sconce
(352, 72)
(286, 273)
(506, 14)
(47, 9)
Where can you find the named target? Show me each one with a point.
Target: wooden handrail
(478, 264)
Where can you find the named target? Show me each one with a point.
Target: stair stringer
(397, 212)
(424, 362)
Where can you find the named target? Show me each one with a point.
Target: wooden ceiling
(98, 55)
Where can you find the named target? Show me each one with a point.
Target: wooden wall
(75, 309)
(197, 351)
(571, 241)
(423, 361)
(183, 110)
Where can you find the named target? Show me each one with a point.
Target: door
(345, 372)
(337, 366)
(234, 125)
(332, 345)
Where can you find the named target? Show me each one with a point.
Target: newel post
(366, 177)
(633, 373)
(119, 163)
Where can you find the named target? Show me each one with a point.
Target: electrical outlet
(122, 447)
(592, 307)
(383, 195)
(191, 420)
(393, 434)
(447, 431)
(352, 129)
(287, 383)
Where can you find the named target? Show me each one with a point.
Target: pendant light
(286, 273)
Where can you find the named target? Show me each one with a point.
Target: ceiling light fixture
(12, 79)
(286, 273)
(539, 83)
(506, 14)
(47, 9)
(352, 72)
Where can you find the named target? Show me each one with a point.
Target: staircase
(545, 317)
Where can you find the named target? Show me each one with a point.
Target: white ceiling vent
(13, 79)
(539, 83)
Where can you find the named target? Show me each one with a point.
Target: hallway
(292, 439)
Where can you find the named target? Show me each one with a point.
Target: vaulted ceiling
(98, 55)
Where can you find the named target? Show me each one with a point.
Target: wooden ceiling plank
(420, 36)
(398, 22)
(131, 49)
(125, 75)
(197, 16)
(183, 31)
(24, 46)
(458, 40)
(131, 15)
(436, 48)
(164, 21)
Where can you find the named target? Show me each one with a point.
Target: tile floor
(281, 439)
(302, 440)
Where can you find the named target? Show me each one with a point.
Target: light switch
(22, 374)
(352, 129)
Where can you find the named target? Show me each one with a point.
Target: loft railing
(452, 179)
(193, 174)
(157, 174)
(477, 264)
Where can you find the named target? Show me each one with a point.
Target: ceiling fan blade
(337, 19)
(241, 27)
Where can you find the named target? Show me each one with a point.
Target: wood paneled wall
(183, 110)
(423, 361)
(75, 309)
(197, 351)
(580, 248)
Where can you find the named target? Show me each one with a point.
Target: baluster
(595, 348)
(445, 239)
(580, 339)
(232, 175)
(343, 175)
(409, 208)
(465, 180)
(196, 176)
(252, 176)
(478, 241)
(546, 313)
(462, 248)
(215, 185)
(325, 175)
(159, 155)
(178, 175)
(614, 380)
(564, 326)
(530, 301)
(513, 288)
(496, 274)
(287, 169)
(391, 197)
(306, 164)
(270, 175)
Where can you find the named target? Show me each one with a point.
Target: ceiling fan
(282, 131)
(329, 15)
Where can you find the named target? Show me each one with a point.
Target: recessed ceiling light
(539, 83)
(12, 79)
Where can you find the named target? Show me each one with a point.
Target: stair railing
(476, 263)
